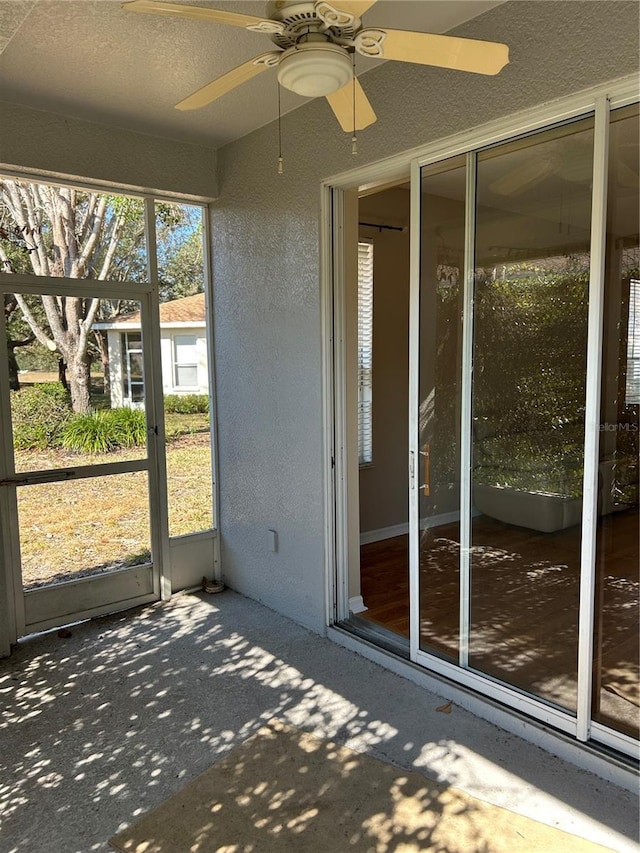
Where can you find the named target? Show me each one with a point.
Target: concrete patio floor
(103, 726)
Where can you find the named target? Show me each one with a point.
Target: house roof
(190, 310)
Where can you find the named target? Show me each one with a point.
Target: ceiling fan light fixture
(314, 70)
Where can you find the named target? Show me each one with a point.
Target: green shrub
(90, 433)
(186, 404)
(130, 426)
(39, 413)
(104, 430)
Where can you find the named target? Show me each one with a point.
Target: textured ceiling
(91, 60)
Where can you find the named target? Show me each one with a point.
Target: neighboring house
(183, 344)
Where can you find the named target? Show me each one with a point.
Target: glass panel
(189, 481)
(616, 671)
(81, 528)
(441, 301)
(529, 364)
(186, 376)
(136, 367)
(185, 365)
(186, 352)
(47, 230)
(180, 254)
(67, 398)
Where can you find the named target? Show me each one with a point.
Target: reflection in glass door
(509, 539)
(532, 250)
(499, 370)
(524, 422)
(616, 676)
(442, 235)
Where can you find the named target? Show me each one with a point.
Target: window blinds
(633, 346)
(365, 352)
(186, 361)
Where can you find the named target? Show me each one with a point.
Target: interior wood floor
(524, 606)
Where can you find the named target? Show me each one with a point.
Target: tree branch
(87, 323)
(17, 208)
(89, 246)
(5, 262)
(67, 221)
(31, 204)
(33, 325)
(23, 343)
(111, 249)
(54, 314)
(83, 228)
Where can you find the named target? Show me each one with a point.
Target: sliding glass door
(616, 681)
(531, 301)
(442, 232)
(524, 491)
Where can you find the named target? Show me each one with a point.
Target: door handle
(426, 452)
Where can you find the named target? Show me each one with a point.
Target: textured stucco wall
(47, 142)
(266, 270)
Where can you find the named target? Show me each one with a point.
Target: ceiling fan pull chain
(354, 138)
(280, 160)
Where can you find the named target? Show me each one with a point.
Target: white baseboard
(401, 529)
(439, 520)
(384, 533)
(357, 605)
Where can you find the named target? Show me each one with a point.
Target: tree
(14, 257)
(180, 254)
(72, 234)
(13, 342)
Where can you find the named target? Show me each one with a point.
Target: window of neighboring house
(132, 367)
(185, 356)
(365, 352)
(633, 345)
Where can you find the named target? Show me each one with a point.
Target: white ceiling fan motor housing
(314, 69)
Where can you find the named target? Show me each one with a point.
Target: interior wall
(384, 495)
(40, 141)
(267, 270)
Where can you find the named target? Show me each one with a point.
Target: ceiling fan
(316, 43)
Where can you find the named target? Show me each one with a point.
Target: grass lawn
(84, 527)
(81, 527)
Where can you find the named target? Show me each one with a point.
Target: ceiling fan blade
(230, 80)
(178, 10)
(357, 8)
(341, 102)
(481, 57)
(341, 12)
